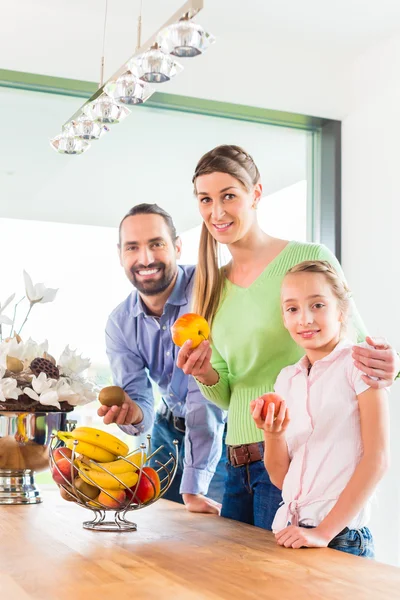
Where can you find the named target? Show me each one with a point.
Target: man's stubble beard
(153, 288)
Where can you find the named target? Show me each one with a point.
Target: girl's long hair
(209, 279)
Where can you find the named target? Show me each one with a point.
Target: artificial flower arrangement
(31, 380)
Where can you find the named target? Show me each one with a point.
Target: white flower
(76, 391)
(43, 390)
(24, 351)
(3, 319)
(39, 292)
(71, 362)
(8, 389)
(31, 349)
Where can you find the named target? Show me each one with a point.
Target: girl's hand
(197, 362)
(299, 537)
(381, 362)
(273, 426)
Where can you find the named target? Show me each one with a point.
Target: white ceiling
(283, 54)
(60, 38)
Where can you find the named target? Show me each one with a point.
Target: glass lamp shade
(128, 89)
(67, 144)
(105, 110)
(185, 39)
(85, 129)
(154, 66)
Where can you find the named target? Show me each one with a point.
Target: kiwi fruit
(112, 395)
(87, 491)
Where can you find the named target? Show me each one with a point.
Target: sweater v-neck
(264, 272)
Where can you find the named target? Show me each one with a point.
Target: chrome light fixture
(185, 39)
(105, 110)
(67, 144)
(150, 63)
(154, 66)
(128, 89)
(85, 128)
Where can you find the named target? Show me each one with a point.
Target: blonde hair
(337, 285)
(209, 278)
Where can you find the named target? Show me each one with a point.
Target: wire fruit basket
(130, 500)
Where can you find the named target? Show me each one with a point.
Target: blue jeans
(250, 497)
(353, 541)
(164, 433)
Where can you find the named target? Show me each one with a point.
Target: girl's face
(226, 206)
(311, 312)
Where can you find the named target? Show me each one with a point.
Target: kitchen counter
(45, 554)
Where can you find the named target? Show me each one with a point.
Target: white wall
(371, 236)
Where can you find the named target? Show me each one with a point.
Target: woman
(250, 345)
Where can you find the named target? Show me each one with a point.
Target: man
(141, 351)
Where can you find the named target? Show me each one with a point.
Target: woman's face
(226, 206)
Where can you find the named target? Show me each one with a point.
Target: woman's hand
(380, 362)
(272, 426)
(299, 537)
(197, 362)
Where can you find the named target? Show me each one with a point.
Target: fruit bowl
(118, 490)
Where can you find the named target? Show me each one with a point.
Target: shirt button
(168, 353)
(171, 395)
(164, 327)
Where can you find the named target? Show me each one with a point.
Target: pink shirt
(323, 436)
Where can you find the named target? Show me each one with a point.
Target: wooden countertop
(45, 554)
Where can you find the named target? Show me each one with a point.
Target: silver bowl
(24, 450)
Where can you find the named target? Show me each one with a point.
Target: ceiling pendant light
(67, 144)
(85, 128)
(185, 39)
(105, 110)
(128, 89)
(154, 66)
(150, 63)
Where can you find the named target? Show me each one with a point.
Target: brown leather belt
(245, 454)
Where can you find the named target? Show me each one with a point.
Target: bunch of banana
(101, 479)
(94, 443)
(131, 462)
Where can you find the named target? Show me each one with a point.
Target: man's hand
(200, 504)
(129, 413)
(381, 362)
(299, 537)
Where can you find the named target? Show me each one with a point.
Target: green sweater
(250, 344)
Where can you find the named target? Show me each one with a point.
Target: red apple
(190, 327)
(62, 452)
(268, 398)
(64, 466)
(148, 487)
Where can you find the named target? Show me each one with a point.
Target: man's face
(148, 254)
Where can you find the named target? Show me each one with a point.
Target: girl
(250, 345)
(329, 456)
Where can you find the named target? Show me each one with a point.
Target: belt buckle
(234, 458)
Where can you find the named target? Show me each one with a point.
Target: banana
(105, 480)
(87, 449)
(102, 439)
(121, 465)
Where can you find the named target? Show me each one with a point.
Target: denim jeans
(164, 433)
(250, 496)
(354, 541)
